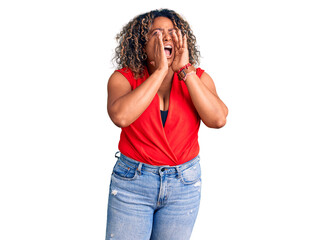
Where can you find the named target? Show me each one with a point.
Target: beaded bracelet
(190, 73)
(186, 66)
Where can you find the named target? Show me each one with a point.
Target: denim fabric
(153, 202)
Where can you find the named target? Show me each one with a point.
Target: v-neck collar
(170, 105)
(157, 99)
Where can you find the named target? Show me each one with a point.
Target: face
(166, 27)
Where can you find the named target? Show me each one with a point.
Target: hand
(160, 61)
(181, 51)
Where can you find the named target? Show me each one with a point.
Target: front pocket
(192, 174)
(123, 171)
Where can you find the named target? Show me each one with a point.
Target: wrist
(161, 72)
(186, 66)
(185, 71)
(189, 75)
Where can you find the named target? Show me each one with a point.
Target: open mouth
(168, 51)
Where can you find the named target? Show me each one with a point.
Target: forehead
(162, 22)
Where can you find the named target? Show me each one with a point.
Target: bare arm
(211, 109)
(124, 105)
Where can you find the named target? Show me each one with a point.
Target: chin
(170, 61)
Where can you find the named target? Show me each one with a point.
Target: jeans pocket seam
(124, 177)
(191, 182)
(191, 175)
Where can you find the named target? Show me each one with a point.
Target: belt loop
(179, 173)
(139, 168)
(116, 155)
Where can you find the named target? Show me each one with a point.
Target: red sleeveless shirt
(147, 141)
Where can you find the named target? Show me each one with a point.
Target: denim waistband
(166, 169)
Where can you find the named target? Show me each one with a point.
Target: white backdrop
(266, 175)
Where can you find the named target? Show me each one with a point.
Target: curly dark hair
(133, 37)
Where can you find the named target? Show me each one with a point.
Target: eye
(155, 32)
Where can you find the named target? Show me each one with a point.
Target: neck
(166, 84)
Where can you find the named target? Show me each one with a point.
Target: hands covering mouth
(174, 50)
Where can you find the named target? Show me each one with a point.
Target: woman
(158, 98)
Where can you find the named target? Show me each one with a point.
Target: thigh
(176, 219)
(129, 215)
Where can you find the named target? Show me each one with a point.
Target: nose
(166, 36)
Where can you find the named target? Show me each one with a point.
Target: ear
(152, 63)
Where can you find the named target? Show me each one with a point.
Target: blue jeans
(149, 202)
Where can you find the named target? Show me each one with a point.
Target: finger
(185, 41)
(160, 43)
(159, 51)
(180, 38)
(175, 40)
(157, 45)
(161, 46)
(153, 62)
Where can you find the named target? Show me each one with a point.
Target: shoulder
(119, 78)
(207, 80)
(130, 76)
(199, 72)
(125, 75)
(126, 72)
(203, 75)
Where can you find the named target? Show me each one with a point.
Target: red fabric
(146, 140)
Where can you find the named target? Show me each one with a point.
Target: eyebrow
(160, 29)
